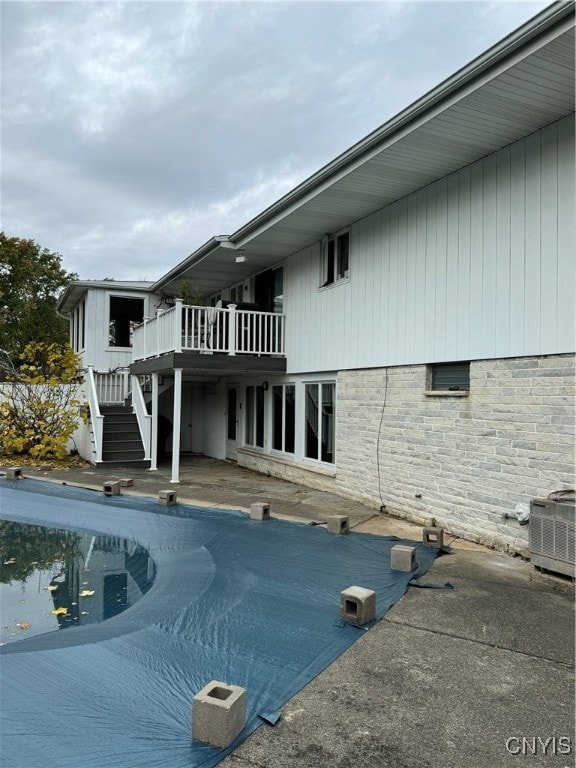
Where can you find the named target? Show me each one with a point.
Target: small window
(335, 258)
(449, 377)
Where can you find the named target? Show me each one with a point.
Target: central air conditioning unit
(552, 535)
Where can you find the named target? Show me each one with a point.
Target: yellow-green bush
(42, 405)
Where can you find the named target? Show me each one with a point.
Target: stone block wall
(461, 461)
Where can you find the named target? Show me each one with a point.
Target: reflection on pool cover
(52, 578)
(248, 603)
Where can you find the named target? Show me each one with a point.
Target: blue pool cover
(255, 604)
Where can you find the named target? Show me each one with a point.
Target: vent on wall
(553, 535)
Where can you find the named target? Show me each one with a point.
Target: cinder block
(358, 605)
(167, 498)
(433, 537)
(218, 713)
(14, 473)
(403, 558)
(126, 482)
(338, 524)
(260, 510)
(111, 488)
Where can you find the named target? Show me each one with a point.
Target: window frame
(320, 441)
(255, 416)
(335, 258)
(78, 327)
(132, 323)
(461, 386)
(283, 449)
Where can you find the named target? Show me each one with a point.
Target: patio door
(232, 422)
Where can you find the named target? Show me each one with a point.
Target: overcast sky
(133, 132)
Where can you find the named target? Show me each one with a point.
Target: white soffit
(532, 93)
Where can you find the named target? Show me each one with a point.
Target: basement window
(448, 379)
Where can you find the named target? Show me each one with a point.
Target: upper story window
(335, 258)
(125, 313)
(78, 327)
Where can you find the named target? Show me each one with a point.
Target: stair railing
(143, 417)
(96, 417)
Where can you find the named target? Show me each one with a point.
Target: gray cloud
(133, 132)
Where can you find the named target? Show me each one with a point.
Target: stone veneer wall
(461, 461)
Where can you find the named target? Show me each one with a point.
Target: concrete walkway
(481, 676)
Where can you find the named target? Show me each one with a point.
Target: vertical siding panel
(549, 237)
(410, 307)
(316, 298)
(452, 268)
(502, 347)
(532, 274)
(517, 297)
(377, 322)
(463, 290)
(430, 302)
(476, 259)
(441, 257)
(420, 278)
(360, 348)
(356, 346)
(489, 274)
(393, 284)
(566, 244)
(386, 286)
(402, 280)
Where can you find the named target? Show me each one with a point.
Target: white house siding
(477, 265)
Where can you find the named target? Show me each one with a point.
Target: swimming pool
(254, 604)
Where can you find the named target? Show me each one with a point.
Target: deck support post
(176, 425)
(154, 429)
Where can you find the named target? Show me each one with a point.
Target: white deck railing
(113, 388)
(207, 330)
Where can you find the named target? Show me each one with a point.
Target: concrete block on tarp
(167, 498)
(338, 524)
(14, 473)
(111, 488)
(433, 537)
(260, 510)
(358, 605)
(403, 558)
(218, 713)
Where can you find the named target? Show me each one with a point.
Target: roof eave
(548, 20)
